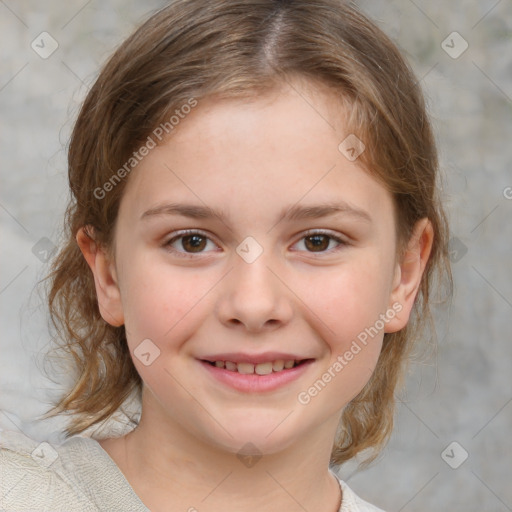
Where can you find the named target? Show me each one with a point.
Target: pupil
(319, 241)
(194, 241)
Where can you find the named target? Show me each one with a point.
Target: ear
(105, 278)
(408, 274)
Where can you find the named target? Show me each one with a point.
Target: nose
(254, 297)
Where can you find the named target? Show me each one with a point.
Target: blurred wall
(451, 448)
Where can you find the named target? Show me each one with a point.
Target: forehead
(255, 155)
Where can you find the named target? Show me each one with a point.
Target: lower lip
(254, 383)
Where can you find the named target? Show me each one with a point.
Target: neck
(175, 467)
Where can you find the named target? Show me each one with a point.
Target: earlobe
(408, 274)
(105, 278)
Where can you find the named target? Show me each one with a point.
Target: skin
(250, 159)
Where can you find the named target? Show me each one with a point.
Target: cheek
(160, 301)
(164, 305)
(349, 302)
(350, 299)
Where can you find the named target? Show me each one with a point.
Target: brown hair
(199, 48)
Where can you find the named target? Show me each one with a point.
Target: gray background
(462, 395)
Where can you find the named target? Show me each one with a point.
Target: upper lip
(239, 357)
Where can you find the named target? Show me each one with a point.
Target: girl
(251, 243)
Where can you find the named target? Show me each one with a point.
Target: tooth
(278, 365)
(260, 368)
(263, 368)
(245, 368)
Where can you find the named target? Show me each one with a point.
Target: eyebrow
(295, 212)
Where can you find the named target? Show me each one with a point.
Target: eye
(320, 242)
(188, 243)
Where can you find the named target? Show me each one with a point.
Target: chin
(263, 437)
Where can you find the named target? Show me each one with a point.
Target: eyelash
(310, 233)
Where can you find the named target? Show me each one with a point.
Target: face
(246, 241)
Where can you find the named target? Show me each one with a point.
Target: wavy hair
(243, 48)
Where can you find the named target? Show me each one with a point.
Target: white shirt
(78, 475)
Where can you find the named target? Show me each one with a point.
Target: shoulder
(21, 456)
(351, 502)
(33, 476)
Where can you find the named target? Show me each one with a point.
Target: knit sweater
(79, 475)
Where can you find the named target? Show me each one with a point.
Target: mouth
(256, 374)
(264, 368)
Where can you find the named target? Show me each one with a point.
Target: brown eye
(187, 244)
(193, 243)
(317, 242)
(321, 243)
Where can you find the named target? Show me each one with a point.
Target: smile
(265, 368)
(256, 377)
